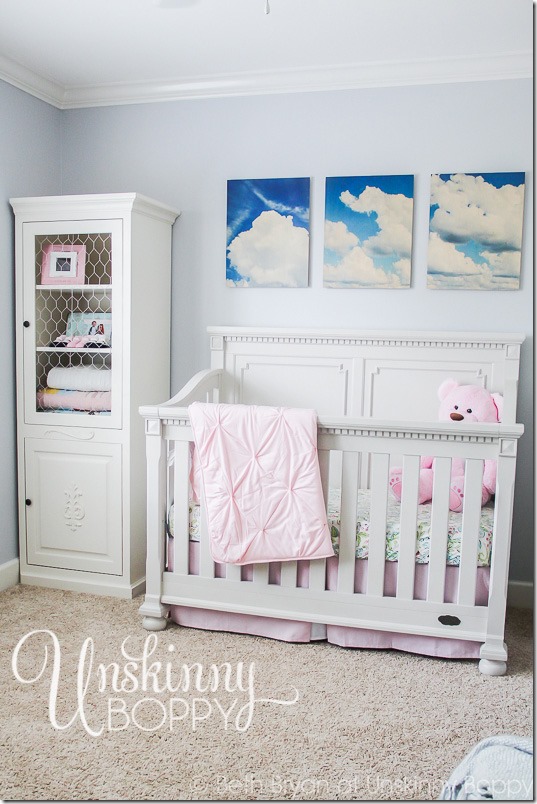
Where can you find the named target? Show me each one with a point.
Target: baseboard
(9, 574)
(93, 584)
(520, 594)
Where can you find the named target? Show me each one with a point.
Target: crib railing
(380, 442)
(365, 451)
(203, 387)
(360, 442)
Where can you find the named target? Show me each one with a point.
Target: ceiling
(75, 53)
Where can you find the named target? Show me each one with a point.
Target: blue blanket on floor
(497, 769)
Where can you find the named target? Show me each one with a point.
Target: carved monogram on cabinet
(74, 511)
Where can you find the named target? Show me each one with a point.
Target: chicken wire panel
(51, 398)
(98, 259)
(62, 315)
(73, 329)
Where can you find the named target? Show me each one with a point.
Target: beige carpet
(367, 725)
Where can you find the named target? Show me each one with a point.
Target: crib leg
(493, 660)
(155, 615)
(492, 667)
(152, 610)
(154, 623)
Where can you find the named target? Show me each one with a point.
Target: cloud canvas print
(268, 233)
(368, 231)
(475, 231)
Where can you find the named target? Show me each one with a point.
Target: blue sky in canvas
(475, 237)
(267, 232)
(368, 231)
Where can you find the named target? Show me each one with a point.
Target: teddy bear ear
(446, 388)
(498, 401)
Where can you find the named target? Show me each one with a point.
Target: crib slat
(407, 539)
(347, 535)
(380, 466)
(181, 520)
(170, 474)
(471, 516)
(288, 573)
(233, 572)
(206, 569)
(317, 569)
(261, 573)
(323, 456)
(439, 531)
(317, 575)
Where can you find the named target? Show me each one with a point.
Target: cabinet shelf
(82, 350)
(89, 288)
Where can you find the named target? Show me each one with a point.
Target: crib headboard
(389, 375)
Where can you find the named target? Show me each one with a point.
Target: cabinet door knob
(25, 323)
(28, 501)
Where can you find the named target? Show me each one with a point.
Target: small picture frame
(63, 264)
(90, 325)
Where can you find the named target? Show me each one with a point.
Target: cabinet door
(71, 328)
(73, 505)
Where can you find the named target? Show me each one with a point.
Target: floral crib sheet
(423, 529)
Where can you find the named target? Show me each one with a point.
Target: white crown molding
(29, 81)
(503, 66)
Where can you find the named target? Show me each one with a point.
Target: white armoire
(92, 344)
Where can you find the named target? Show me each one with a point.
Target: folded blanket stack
(61, 399)
(81, 388)
(80, 378)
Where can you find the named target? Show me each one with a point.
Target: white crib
(375, 394)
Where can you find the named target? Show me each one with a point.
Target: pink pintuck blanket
(261, 482)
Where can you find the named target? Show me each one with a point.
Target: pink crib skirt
(297, 631)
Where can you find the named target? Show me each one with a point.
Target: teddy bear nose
(456, 417)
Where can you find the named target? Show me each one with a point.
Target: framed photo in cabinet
(90, 324)
(63, 264)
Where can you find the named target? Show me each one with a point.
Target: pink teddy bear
(458, 403)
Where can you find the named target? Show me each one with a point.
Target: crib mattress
(423, 529)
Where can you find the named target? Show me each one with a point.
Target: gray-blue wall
(183, 152)
(30, 164)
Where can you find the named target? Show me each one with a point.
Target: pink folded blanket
(261, 482)
(59, 399)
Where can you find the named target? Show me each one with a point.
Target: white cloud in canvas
(368, 232)
(475, 231)
(272, 253)
(268, 233)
